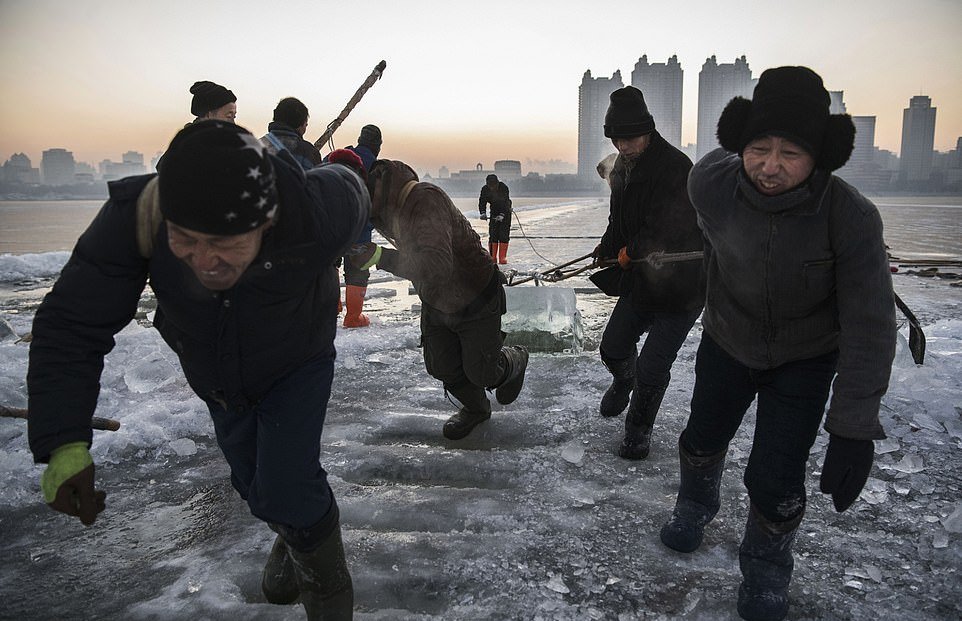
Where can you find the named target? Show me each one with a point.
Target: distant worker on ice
(241, 261)
(650, 212)
(460, 287)
(799, 304)
(495, 193)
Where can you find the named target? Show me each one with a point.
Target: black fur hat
(628, 115)
(790, 102)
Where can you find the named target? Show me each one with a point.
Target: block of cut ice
(543, 319)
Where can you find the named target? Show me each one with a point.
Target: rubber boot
(515, 365)
(493, 250)
(475, 409)
(279, 581)
(765, 558)
(697, 501)
(353, 318)
(616, 397)
(503, 253)
(323, 579)
(645, 401)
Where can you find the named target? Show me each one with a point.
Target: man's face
(631, 148)
(776, 165)
(227, 112)
(218, 261)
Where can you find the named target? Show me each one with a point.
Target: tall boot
(623, 380)
(503, 253)
(515, 365)
(475, 409)
(645, 401)
(765, 558)
(697, 501)
(279, 581)
(493, 250)
(323, 579)
(354, 296)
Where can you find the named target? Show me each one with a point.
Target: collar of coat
(403, 195)
(804, 199)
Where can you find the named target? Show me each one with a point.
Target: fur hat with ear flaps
(790, 102)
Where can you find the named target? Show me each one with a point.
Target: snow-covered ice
(533, 516)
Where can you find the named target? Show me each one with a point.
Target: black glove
(77, 497)
(846, 468)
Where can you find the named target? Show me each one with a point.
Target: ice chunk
(573, 452)
(910, 464)
(940, 540)
(888, 445)
(924, 421)
(875, 492)
(184, 447)
(543, 319)
(557, 584)
(150, 374)
(379, 292)
(953, 522)
(6, 330)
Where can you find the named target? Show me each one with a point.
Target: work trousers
(791, 403)
(465, 347)
(499, 232)
(666, 333)
(274, 447)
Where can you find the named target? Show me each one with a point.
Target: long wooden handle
(104, 424)
(333, 125)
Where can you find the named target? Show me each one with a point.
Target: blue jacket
(233, 345)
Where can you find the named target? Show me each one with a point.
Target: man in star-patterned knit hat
(240, 252)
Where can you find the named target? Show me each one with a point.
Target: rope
(525, 236)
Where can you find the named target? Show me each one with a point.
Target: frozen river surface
(534, 516)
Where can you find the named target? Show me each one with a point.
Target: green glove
(373, 259)
(68, 483)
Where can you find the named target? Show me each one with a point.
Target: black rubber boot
(645, 401)
(475, 410)
(279, 582)
(515, 364)
(622, 372)
(697, 501)
(323, 579)
(765, 557)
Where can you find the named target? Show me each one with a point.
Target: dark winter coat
(437, 249)
(499, 200)
(798, 275)
(304, 152)
(233, 345)
(650, 212)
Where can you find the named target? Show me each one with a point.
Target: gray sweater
(798, 275)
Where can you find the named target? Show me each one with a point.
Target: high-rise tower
(662, 85)
(593, 98)
(918, 141)
(717, 84)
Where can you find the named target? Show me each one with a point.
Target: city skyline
(464, 83)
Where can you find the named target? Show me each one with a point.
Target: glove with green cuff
(68, 483)
(366, 256)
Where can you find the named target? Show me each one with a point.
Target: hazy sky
(466, 82)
